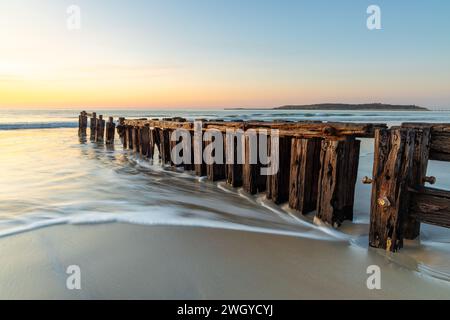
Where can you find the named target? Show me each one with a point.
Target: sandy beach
(140, 230)
(122, 261)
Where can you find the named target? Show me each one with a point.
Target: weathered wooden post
(172, 146)
(129, 136)
(173, 143)
(252, 180)
(392, 170)
(135, 136)
(110, 131)
(199, 146)
(337, 180)
(304, 174)
(411, 227)
(100, 129)
(278, 184)
(93, 126)
(82, 123)
(215, 167)
(153, 142)
(121, 131)
(144, 139)
(234, 146)
(164, 136)
(190, 166)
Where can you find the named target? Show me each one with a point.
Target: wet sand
(124, 261)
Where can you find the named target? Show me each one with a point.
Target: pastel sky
(223, 53)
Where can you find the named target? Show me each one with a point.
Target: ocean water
(49, 177)
(47, 119)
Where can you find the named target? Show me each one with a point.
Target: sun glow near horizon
(219, 54)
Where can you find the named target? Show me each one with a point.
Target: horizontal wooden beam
(302, 129)
(431, 206)
(440, 139)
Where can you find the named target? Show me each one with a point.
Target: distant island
(345, 106)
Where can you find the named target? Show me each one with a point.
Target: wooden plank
(337, 180)
(294, 129)
(164, 136)
(411, 226)
(82, 123)
(110, 131)
(304, 174)
(100, 129)
(157, 139)
(306, 128)
(121, 131)
(172, 146)
(190, 166)
(278, 184)
(186, 145)
(215, 171)
(430, 206)
(135, 137)
(439, 140)
(440, 146)
(199, 145)
(394, 151)
(144, 140)
(129, 134)
(93, 126)
(233, 166)
(252, 180)
(152, 143)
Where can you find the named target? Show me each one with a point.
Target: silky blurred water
(48, 176)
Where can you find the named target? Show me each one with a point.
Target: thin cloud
(10, 78)
(129, 71)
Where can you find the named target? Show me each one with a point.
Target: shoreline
(121, 260)
(125, 261)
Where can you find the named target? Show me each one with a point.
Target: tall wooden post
(304, 175)
(216, 171)
(164, 136)
(190, 166)
(153, 142)
(172, 146)
(337, 180)
(411, 225)
(93, 126)
(392, 170)
(278, 184)
(129, 136)
(157, 137)
(135, 136)
(100, 130)
(253, 181)
(82, 123)
(234, 160)
(121, 131)
(144, 139)
(110, 131)
(199, 146)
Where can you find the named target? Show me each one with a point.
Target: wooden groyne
(318, 166)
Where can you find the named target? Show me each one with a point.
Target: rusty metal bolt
(384, 202)
(430, 180)
(367, 180)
